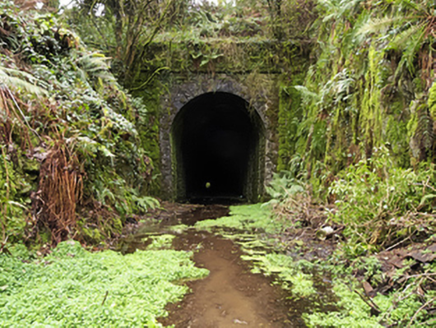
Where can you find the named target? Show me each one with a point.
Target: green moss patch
(289, 271)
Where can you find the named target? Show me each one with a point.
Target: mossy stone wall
(181, 92)
(254, 70)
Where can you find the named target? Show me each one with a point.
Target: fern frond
(411, 49)
(378, 25)
(145, 203)
(16, 79)
(95, 66)
(402, 39)
(337, 9)
(307, 94)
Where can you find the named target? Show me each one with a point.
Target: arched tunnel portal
(218, 149)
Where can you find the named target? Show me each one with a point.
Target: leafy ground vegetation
(75, 288)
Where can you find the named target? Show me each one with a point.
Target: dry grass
(60, 189)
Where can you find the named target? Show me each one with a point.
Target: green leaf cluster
(380, 203)
(73, 287)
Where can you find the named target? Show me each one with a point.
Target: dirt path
(231, 296)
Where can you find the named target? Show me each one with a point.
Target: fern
(94, 66)
(16, 79)
(285, 184)
(411, 49)
(307, 94)
(339, 8)
(144, 204)
(401, 39)
(378, 25)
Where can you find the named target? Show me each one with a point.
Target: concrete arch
(173, 106)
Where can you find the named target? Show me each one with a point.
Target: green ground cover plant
(381, 204)
(249, 218)
(75, 288)
(397, 309)
(290, 272)
(160, 242)
(377, 206)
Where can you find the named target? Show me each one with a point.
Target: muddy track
(231, 295)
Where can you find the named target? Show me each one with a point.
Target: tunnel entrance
(217, 142)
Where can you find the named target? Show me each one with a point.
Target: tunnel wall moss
(148, 129)
(181, 91)
(257, 170)
(255, 70)
(224, 55)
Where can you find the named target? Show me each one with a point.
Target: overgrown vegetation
(381, 204)
(369, 86)
(383, 223)
(71, 162)
(355, 131)
(360, 161)
(73, 287)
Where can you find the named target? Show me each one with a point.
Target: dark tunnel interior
(215, 137)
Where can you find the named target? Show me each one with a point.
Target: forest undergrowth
(379, 229)
(72, 162)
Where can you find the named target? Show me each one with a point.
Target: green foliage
(354, 312)
(56, 91)
(379, 202)
(122, 29)
(148, 128)
(14, 200)
(290, 273)
(401, 307)
(244, 217)
(432, 101)
(420, 130)
(73, 287)
(161, 242)
(371, 61)
(288, 128)
(284, 185)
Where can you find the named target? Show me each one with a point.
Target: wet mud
(231, 296)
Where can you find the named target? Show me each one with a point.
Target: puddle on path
(231, 296)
